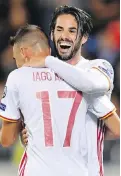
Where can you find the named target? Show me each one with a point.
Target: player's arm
(93, 80)
(9, 112)
(110, 136)
(113, 127)
(9, 132)
(105, 110)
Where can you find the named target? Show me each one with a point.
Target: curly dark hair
(83, 19)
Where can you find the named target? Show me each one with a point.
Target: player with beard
(54, 112)
(69, 30)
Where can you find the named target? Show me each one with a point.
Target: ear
(51, 36)
(25, 52)
(84, 39)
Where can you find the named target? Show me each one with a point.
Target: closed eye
(72, 31)
(59, 29)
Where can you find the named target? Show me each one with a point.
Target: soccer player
(54, 112)
(69, 29)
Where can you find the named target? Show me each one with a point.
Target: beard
(73, 51)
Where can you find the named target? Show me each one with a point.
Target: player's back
(51, 110)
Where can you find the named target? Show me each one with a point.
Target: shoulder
(99, 62)
(104, 66)
(18, 72)
(12, 80)
(12, 75)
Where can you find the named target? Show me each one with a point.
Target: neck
(75, 59)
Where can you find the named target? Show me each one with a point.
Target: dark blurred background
(104, 43)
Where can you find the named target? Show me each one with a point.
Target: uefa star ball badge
(5, 92)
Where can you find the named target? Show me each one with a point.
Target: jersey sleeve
(9, 105)
(102, 107)
(106, 69)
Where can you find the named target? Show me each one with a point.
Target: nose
(65, 35)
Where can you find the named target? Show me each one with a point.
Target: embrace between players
(66, 119)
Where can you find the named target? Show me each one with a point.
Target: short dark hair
(22, 31)
(83, 19)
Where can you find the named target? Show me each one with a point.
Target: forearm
(113, 124)
(88, 81)
(9, 133)
(110, 136)
(7, 140)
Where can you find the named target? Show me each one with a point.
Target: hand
(24, 137)
(36, 62)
